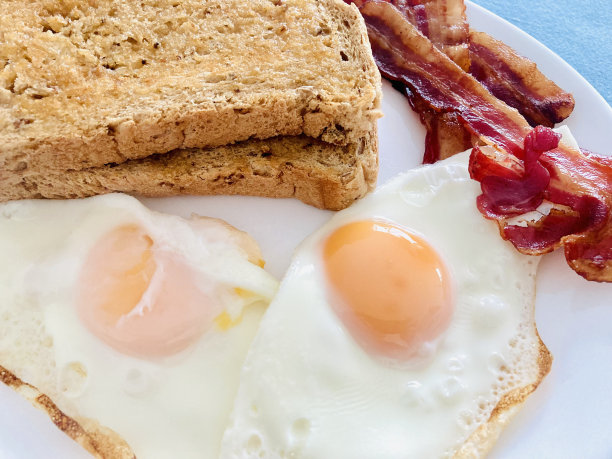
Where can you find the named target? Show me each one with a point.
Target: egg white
(167, 407)
(309, 390)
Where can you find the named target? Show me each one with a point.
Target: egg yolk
(390, 287)
(140, 301)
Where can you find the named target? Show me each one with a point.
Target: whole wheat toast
(320, 174)
(83, 84)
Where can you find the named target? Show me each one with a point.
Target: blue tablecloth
(580, 31)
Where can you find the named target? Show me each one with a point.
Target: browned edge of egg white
(485, 437)
(99, 441)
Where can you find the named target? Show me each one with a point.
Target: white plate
(569, 416)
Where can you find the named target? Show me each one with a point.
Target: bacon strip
(445, 135)
(517, 81)
(527, 169)
(445, 24)
(442, 21)
(510, 77)
(403, 54)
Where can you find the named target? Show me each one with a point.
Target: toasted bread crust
(84, 84)
(99, 441)
(320, 174)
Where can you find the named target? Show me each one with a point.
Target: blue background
(580, 31)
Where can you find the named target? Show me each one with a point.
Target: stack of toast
(274, 98)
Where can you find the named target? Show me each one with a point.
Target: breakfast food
(517, 81)
(130, 326)
(88, 84)
(522, 168)
(435, 365)
(444, 23)
(510, 77)
(380, 350)
(319, 174)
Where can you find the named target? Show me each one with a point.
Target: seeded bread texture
(86, 83)
(320, 174)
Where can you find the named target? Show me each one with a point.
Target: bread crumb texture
(320, 174)
(85, 83)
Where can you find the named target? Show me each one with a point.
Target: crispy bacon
(510, 77)
(583, 182)
(403, 54)
(507, 191)
(442, 21)
(445, 24)
(445, 134)
(517, 81)
(527, 169)
(445, 137)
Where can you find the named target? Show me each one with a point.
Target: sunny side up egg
(399, 327)
(137, 320)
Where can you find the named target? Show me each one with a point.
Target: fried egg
(399, 328)
(137, 320)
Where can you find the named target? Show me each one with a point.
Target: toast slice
(83, 84)
(318, 173)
